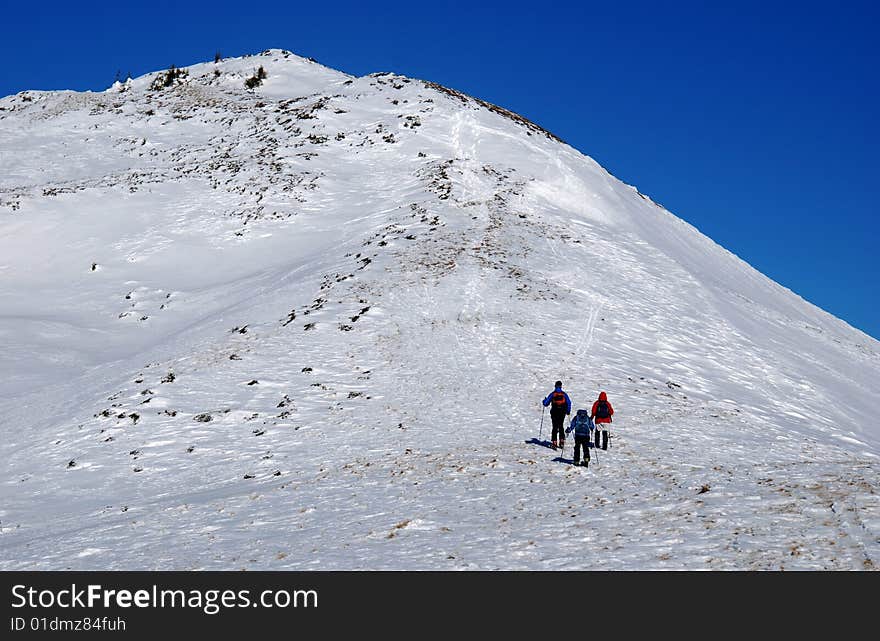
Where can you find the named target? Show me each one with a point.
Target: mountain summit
(257, 313)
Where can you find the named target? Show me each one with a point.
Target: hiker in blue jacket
(560, 407)
(581, 424)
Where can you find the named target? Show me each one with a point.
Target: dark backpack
(602, 410)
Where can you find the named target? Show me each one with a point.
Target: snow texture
(308, 325)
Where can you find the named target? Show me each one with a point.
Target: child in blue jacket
(581, 424)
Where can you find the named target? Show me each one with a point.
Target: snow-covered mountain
(307, 324)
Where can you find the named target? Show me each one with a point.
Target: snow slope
(308, 326)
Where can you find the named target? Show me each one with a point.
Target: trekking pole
(541, 431)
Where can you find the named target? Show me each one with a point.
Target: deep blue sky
(757, 122)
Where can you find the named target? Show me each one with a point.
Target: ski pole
(541, 431)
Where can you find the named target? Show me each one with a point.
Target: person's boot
(604, 439)
(554, 444)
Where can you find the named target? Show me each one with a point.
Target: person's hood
(603, 396)
(583, 413)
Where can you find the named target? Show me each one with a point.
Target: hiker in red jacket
(602, 413)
